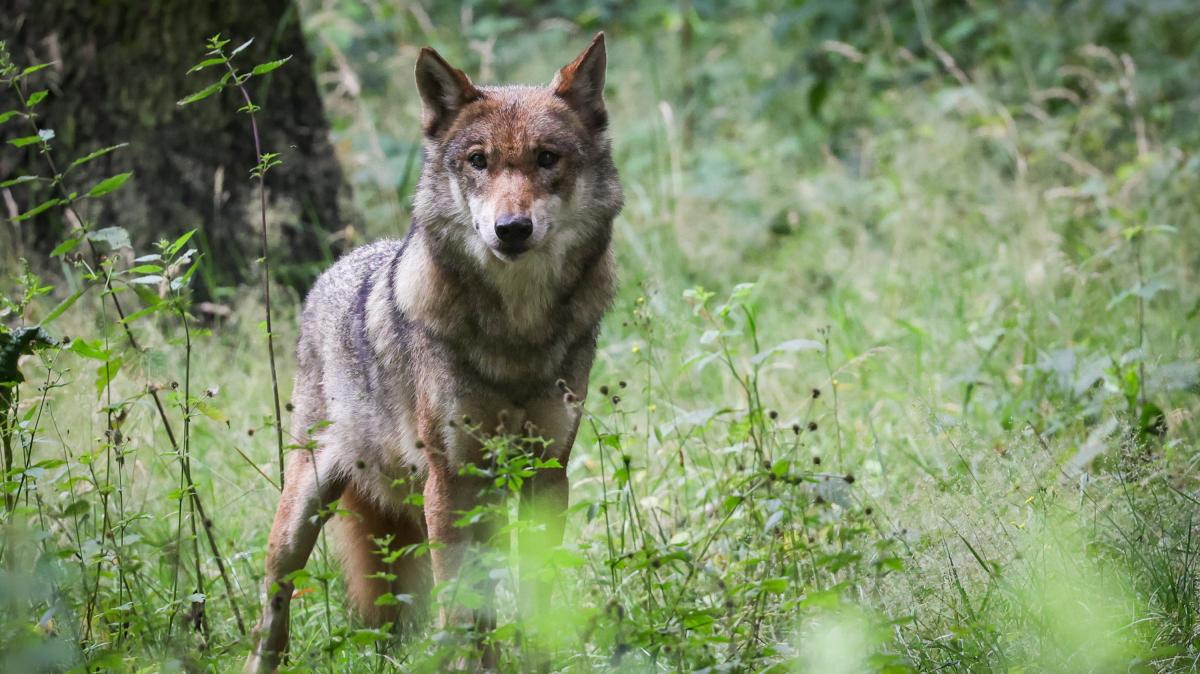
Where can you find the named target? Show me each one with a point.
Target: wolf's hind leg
(312, 482)
(368, 576)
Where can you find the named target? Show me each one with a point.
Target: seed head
(816, 393)
(812, 426)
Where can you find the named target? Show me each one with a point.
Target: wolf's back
(335, 306)
(330, 306)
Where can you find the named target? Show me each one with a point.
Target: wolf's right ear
(444, 91)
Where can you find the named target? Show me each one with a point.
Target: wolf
(484, 316)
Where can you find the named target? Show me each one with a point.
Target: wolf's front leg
(311, 484)
(544, 500)
(458, 551)
(447, 496)
(543, 511)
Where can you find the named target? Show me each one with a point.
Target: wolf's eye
(547, 159)
(478, 160)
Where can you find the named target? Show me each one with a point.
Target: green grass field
(903, 374)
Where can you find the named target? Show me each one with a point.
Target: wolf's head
(517, 173)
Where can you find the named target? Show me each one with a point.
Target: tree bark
(120, 66)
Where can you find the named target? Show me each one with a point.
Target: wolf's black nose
(513, 228)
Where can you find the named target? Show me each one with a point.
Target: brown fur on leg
(360, 556)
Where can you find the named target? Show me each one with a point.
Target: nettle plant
(87, 575)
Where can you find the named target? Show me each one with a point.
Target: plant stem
(262, 202)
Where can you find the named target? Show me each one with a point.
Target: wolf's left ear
(444, 91)
(581, 84)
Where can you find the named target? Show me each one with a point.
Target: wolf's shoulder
(337, 286)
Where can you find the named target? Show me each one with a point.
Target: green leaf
(98, 153)
(179, 243)
(65, 247)
(24, 140)
(216, 61)
(109, 184)
(106, 373)
(781, 467)
(5, 116)
(45, 205)
(35, 98)
(202, 94)
(94, 350)
(698, 619)
(76, 508)
(181, 281)
(264, 68)
(145, 269)
(240, 47)
(775, 585)
(212, 412)
(366, 637)
(18, 180)
(141, 313)
(34, 68)
(62, 306)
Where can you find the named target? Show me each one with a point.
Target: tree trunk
(119, 68)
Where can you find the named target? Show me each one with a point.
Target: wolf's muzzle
(513, 231)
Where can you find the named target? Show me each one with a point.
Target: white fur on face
(547, 213)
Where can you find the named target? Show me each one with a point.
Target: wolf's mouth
(509, 252)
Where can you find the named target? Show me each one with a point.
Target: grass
(908, 387)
